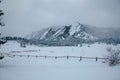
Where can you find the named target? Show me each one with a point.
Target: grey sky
(25, 16)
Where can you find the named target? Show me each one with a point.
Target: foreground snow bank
(18, 68)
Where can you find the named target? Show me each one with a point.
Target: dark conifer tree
(1, 24)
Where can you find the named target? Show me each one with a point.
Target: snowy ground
(23, 68)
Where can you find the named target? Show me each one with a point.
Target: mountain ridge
(75, 34)
(60, 33)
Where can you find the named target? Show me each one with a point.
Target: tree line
(66, 42)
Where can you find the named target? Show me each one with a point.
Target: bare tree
(113, 58)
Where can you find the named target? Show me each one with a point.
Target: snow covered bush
(113, 58)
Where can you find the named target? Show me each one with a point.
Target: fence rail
(54, 57)
(13, 54)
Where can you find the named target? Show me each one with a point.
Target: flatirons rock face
(62, 33)
(73, 34)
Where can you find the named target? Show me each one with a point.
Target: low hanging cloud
(25, 16)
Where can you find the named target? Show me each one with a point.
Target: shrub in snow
(113, 58)
(88, 45)
(22, 45)
(80, 45)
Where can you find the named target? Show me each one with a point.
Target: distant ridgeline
(71, 35)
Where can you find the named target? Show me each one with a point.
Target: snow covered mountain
(74, 34)
(61, 33)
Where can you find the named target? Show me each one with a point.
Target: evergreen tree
(1, 24)
(1, 14)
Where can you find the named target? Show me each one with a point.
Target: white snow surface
(23, 68)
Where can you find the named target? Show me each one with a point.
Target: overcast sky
(25, 16)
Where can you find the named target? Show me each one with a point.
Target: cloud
(25, 16)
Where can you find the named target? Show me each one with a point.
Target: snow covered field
(24, 68)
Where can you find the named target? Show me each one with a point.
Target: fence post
(96, 58)
(20, 55)
(28, 56)
(55, 57)
(45, 57)
(67, 57)
(36, 56)
(80, 58)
